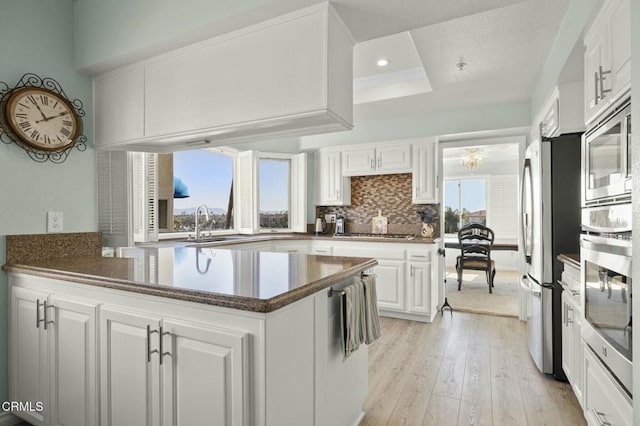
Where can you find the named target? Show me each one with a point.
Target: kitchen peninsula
(186, 335)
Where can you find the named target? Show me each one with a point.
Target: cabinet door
(604, 401)
(418, 286)
(594, 58)
(578, 356)
(424, 173)
(129, 374)
(619, 23)
(333, 189)
(568, 359)
(390, 283)
(72, 362)
(28, 376)
(395, 158)
(205, 375)
(358, 162)
(119, 107)
(551, 120)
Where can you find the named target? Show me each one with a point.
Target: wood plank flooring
(468, 369)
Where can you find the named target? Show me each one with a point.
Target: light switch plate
(54, 221)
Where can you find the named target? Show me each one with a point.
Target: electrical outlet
(54, 221)
(330, 218)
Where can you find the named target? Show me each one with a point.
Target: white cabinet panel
(72, 360)
(418, 286)
(203, 367)
(358, 162)
(607, 60)
(128, 371)
(28, 354)
(425, 177)
(390, 284)
(119, 106)
(395, 158)
(332, 188)
(604, 401)
(620, 36)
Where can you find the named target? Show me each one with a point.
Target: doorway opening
(481, 185)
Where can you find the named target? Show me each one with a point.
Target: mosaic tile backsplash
(389, 193)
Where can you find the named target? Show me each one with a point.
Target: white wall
(28, 189)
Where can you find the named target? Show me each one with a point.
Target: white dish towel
(359, 321)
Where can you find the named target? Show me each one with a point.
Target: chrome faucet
(206, 215)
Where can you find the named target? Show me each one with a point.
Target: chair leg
(493, 277)
(459, 269)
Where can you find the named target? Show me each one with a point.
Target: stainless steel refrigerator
(550, 226)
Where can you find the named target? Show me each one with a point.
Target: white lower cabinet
(572, 348)
(605, 402)
(53, 357)
(164, 371)
(406, 278)
(390, 284)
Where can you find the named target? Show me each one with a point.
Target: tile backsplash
(389, 193)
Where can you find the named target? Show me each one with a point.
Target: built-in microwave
(606, 159)
(606, 282)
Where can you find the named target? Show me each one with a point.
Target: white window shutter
(298, 213)
(114, 218)
(502, 206)
(144, 196)
(247, 192)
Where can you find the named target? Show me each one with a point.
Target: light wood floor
(474, 295)
(468, 369)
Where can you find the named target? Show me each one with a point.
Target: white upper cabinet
(384, 158)
(425, 177)
(332, 188)
(607, 60)
(291, 75)
(561, 112)
(119, 106)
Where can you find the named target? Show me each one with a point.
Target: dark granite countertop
(249, 280)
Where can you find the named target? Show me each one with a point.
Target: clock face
(42, 119)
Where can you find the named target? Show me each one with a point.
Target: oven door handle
(623, 249)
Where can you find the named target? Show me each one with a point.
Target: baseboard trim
(8, 419)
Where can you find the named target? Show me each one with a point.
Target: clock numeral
(32, 99)
(35, 135)
(23, 105)
(56, 104)
(21, 115)
(67, 123)
(65, 131)
(25, 125)
(44, 100)
(46, 139)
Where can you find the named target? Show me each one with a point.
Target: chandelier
(472, 158)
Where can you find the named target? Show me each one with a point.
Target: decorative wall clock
(38, 116)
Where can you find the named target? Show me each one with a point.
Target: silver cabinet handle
(149, 351)
(45, 314)
(598, 415)
(38, 320)
(569, 318)
(161, 352)
(597, 97)
(380, 161)
(602, 89)
(337, 193)
(411, 270)
(372, 164)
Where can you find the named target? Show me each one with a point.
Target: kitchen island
(184, 335)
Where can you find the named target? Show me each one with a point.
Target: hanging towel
(372, 320)
(352, 317)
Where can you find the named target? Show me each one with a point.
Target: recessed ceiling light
(382, 62)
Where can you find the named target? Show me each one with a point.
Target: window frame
(280, 157)
(232, 231)
(486, 179)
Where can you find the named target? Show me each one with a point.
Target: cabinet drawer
(605, 401)
(421, 255)
(374, 252)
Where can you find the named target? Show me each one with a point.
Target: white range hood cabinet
(289, 76)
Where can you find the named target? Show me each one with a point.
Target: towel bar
(333, 292)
